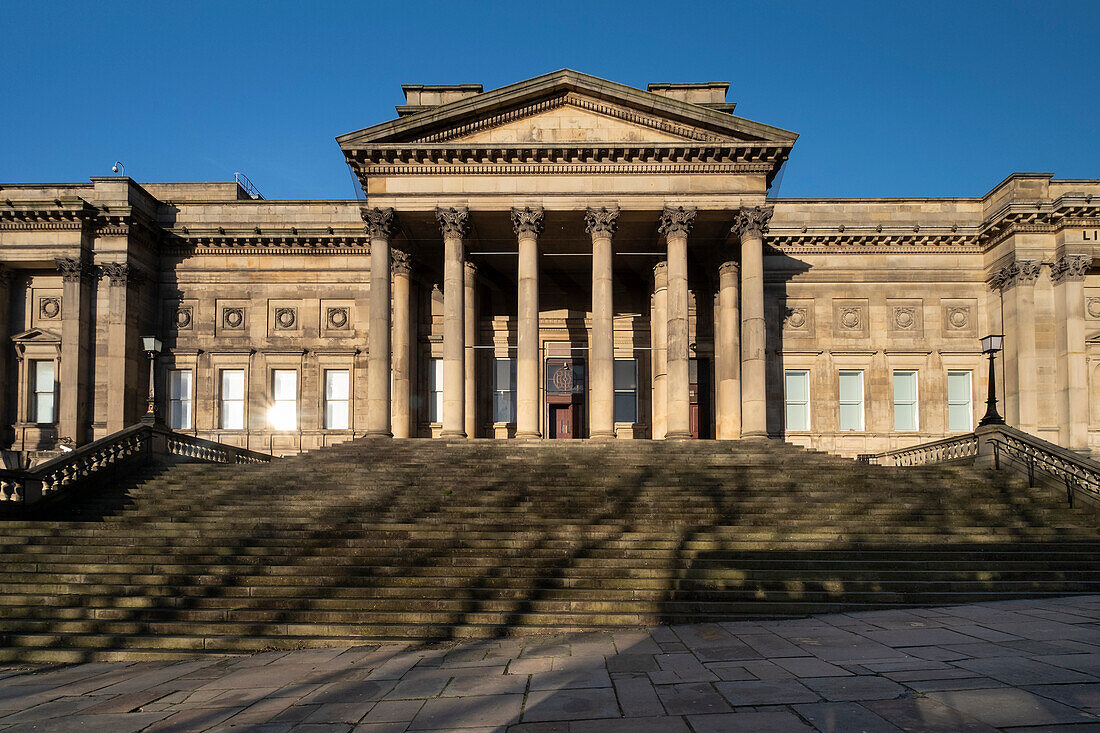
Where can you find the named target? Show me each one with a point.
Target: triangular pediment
(566, 107)
(36, 335)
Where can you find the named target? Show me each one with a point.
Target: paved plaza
(1017, 666)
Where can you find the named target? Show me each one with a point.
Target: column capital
(381, 223)
(752, 220)
(471, 268)
(730, 267)
(453, 221)
(1070, 267)
(529, 221)
(1020, 272)
(73, 269)
(400, 262)
(601, 222)
(660, 274)
(676, 220)
(121, 274)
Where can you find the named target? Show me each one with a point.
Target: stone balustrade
(106, 458)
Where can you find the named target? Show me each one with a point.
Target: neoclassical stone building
(565, 257)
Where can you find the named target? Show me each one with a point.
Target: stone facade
(562, 257)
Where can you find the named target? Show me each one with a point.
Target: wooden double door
(565, 389)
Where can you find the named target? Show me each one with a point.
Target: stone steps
(426, 539)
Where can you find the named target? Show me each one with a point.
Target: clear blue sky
(890, 98)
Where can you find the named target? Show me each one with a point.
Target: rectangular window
(796, 393)
(284, 394)
(960, 412)
(504, 390)
(179, 399)
(905, 401)
(337, 399)
(45, 395)
(435, 390)
(232, 402)
(851, 399)
(626, 390)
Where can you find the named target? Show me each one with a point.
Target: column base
(602, 435)
(453, 434)
(378, 434)
(677, 436)
(528, 436)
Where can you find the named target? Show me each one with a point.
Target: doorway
(564, 397)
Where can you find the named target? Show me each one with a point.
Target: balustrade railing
(941, 451)
(105, 458)
(1005, 447)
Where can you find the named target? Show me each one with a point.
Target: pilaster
(1068, 276)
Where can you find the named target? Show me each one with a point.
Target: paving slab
(777, 692)
(843, 689)
(772, 721)
(844, 717)
(557, 705)
(1008, 707)
(1023, 671)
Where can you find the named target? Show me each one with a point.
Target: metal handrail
(1074, 474)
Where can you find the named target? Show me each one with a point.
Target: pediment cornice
(515, 101)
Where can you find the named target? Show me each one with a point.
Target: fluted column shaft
(381, 224)
(601, 351)
(402, 345)
(751, 225)
(658, 334)
(454, 223)
(727, 354)
(469, 326)
(675, 225)
(528, 224)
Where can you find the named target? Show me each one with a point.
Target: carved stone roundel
(183, 318)
(285, 317)
(233, 317)
(796, 318)
(851, 318)
(337, 317)
(1093, 307)
(905, 318)
(49, 308)
(958, 317)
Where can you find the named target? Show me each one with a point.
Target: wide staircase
(431, 540)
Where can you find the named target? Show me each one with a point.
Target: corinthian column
(600, 224)
(381, 224)
(402, 343)
(528, 224)
(122, 343)
(727, 354)
(750, 225)
(469, 356)
(675, 225)
(1068, 276)
(658, 335)
(454, 223)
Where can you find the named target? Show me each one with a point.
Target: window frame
(631, 391)
(36, 394)
(189, 400)
(508, 393)
(223, 400)
(327, 400)
(275, 412)
(969, 399)
(861, 402)
(915, 374)
(435, 390)
(787, 402)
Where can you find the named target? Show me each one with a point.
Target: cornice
(273, 244)
(58, 213)
(482, 154)
(873, 242)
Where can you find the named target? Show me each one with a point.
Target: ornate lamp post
(991, 345)
(152, 347)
